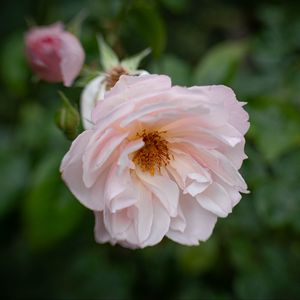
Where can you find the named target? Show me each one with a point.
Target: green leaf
(51, 213)
(14, 70)
(75, 24)
(81, 277)
(255, 285)
(176, 68)
(278, 203)
(274, 131)
(288, 167)
(254, 168)
(131, 63)
(262, 264)
(86, 75)
(146, 21)
(240, 221)
(14, 173)
(176, 6)
(220, 63)
(36, 127)
(108, 58)
(198, 259)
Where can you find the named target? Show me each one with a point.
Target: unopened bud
(67, 118)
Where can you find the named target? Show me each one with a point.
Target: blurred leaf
(159, 267)
(242, 253)
(91, 273)
(277, 199)
(14, 174)
(176, 6)
(197, 288)
(243, 219)
(86, 75)
(177, 69)
(36, 129)
(146, 21)
(269, 265)
(220, 63)
(105, 10)
(288, 167)
(75, 24)
(254, 168)
(14, 71)
(274, 131)
(253, 85)
(254, 285)
(132, 63)
(278, 203)
(251, 282)
(198, 259)
(51, 213)
(108, 58)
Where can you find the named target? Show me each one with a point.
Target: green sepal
(67, 118)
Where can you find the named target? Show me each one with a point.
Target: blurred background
(47, 246)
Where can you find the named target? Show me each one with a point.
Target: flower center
(154, 154)
(113, 76)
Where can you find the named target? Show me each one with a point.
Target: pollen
(154, 154)
(113, 76)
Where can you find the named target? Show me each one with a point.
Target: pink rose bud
(54, 54)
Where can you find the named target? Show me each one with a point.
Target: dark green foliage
(47, 245)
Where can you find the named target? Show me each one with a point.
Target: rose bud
(54, 54)
(67, 118)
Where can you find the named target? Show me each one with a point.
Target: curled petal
(199, 223)
(72, 172)
(101, 234)
(216, 200)
(98, 154)
(189, 175)
(119, 191)
(127, 89)
(92, 93)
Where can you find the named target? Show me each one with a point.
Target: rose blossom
(159, 161)
(54, 54)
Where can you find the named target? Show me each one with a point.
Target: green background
(47, 246)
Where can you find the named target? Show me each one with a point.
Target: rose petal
(160, 224)
(215, 199)
(144, 218)
(92, 93)
(163, 188)
(199, 223)
(101, 234)
(72, 57)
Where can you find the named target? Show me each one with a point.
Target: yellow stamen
(113, 76)
(155, 153)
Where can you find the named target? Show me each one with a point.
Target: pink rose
(159, 161)
(54, 54)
